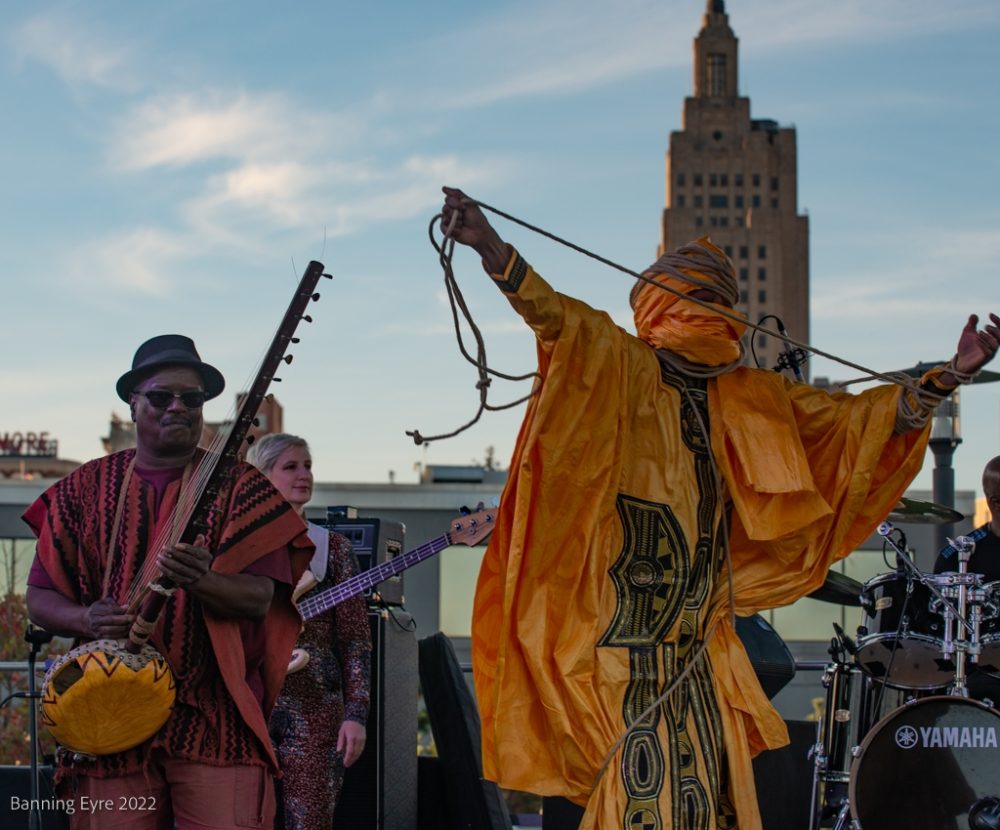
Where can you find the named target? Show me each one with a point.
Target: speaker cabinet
(15, 800)
(380, 788)
(375, 542)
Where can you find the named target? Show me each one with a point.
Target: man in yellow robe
(607, 575)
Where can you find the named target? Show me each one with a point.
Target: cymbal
(917, 371)
(923, 512)
(838, 588)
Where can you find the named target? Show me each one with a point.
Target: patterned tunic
(217, 718)
(314, 702)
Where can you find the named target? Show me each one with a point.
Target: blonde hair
(265, 450)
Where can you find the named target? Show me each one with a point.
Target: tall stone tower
(733, 179)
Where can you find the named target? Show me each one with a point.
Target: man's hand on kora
(185, 564)
(977, 347)
(106, 620)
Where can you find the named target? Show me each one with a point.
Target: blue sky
(173, 167)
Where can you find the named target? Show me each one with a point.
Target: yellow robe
(606, 569)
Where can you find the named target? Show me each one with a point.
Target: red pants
(174, 793)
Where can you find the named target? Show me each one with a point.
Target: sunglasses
(161, 398)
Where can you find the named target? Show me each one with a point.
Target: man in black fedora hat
(211, 765)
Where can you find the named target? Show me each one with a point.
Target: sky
(174, 167)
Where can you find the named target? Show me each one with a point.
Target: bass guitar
(465, 530)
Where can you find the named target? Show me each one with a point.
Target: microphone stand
(37, 637)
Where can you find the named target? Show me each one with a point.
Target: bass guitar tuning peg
(307, 318)
(328, 276)
(288, 358)
(296, 340)
(315, 297)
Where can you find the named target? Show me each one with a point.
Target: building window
(744, 297)
(698, 221)
(697, 179)
(713, 221)
(739, 221)
(762, 296)
(712, 180)
(761, 341)
(680, 200)
(738, 200)
(756, 201)
(718, 200)
(762, 252)
(724, 180)
(698, 200)
(774, 182)
(774, 203)
(744, 252)
(756, 179)
(680, 180)
(744, 274)
(761, 274)
(729, 251)
(723, 221)
(738, 180)
(716, 75)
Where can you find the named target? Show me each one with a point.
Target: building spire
(715, 7)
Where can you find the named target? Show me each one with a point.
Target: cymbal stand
(967, 589)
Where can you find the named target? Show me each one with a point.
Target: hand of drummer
(185, 564)
(106, 620)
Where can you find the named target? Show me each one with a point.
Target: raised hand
(464, 222)
(977, 347)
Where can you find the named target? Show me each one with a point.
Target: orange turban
(665, 320)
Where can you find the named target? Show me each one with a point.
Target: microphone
(849, 645)
(791, 355)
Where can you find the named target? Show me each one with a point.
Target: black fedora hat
(168, 350)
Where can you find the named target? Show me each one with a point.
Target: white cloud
(141, 261)
(183, 129)
(75, 51)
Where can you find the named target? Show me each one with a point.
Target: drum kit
(900, 743)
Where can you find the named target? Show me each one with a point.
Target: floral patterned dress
(314, 702)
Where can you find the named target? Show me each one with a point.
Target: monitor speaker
(374, 542)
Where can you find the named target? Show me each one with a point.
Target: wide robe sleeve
(536, 598)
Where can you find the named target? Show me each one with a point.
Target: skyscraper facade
(734, 179)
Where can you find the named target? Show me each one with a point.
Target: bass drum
(933, 764)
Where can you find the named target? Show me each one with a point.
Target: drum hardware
(954, 643)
